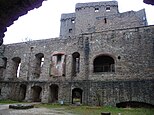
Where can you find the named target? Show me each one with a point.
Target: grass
(90, 110)
(8, 102)
(96, 110)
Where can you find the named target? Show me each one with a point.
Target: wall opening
(108, 8)
(104, 63)
(57, 64)
(96, 9)
(3, 64)
(105, 20)
(16, 62)
(38, 64)
(53, 97)
(70, 30)
(36, 93)
(72, 21)
(134, 104)
(77, 96)
(22, 92)
(75, 63)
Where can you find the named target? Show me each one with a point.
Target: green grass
(94, 110)
(8, 101)
(90, 110)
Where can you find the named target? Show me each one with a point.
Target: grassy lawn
(94, 110)
(90, 110)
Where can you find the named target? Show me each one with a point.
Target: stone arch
(22, 92)
(15, 70)
(75, 63)
(104, 63)
(38, 64)
(3, 64)
(36, 93)
(77, 94)
(53, 93)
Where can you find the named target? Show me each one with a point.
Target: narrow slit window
(105, 20)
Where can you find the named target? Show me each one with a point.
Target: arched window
(75, 63)
(77, 95)
(16, 62)
(104, 63)
(39, 61)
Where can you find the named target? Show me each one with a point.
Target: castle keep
(102, 57)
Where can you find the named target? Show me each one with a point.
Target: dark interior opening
(104, 64)
(53, 93)
(134, 104)
(36, 94)
(77, 96)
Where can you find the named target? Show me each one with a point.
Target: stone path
(4, 110)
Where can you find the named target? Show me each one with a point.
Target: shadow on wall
(134, 104)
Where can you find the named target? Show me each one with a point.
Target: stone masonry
(102, 57)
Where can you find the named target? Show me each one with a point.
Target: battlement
(96, 4)
(67, 16)
(98, 16)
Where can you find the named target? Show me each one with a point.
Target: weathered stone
(103, 67)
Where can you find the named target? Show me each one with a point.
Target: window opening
(59, 57)
(104, 64)
(75, 63)
(70, 30)
(96, 9)
(105, 20)
(73, 21)
(42, 61)
(18, 70)
(108, 8)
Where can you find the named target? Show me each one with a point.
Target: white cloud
(44, 22)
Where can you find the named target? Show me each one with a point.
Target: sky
(44, 22)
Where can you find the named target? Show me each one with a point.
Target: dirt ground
(4, 110)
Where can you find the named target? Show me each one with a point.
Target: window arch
(104, 63)
(16, 62)
(39, 61)
(75, 63)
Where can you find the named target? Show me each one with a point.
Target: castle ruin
(102, 57)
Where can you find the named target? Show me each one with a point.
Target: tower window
(70, 30)
(105, 20)
(73, 21)
(96, 9)
(108, 8)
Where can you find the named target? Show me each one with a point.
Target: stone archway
(77, 96)
(53, 96)
(36, 93)
(22, 92)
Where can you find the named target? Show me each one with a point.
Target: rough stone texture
(132, 50)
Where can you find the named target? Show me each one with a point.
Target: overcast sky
(44, 22)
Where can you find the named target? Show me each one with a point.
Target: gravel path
(4, 110)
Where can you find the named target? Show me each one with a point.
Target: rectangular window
(108, 8)
(73, 21)
(96, 9)
(59, 58)
(70, 30)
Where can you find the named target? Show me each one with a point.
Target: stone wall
(131, 49)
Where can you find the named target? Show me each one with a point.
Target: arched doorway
(104, 63)
(53, 97)
(77, 95)
(36, 93)
(22, 92)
